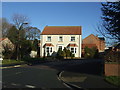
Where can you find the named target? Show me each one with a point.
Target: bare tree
(32, 33)
(5, 26)
(19, 19)
(19, 22)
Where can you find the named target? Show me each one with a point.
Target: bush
(112, 56)
(31, 61)
(59, 54)
(91, 52)
(65, 53)
(115, 80)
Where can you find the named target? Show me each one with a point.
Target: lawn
(6, 62)
(115, 80)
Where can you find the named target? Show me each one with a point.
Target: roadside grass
(112, 62)
(10, 61)
(115, 80)
(25, 60)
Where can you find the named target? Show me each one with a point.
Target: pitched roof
(72, 45)
(88, 45)
(62, 30)
(1, 39)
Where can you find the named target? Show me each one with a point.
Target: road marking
(13, 84)
(30, 86)
(18, 72)
(17, 66)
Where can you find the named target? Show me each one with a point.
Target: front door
(59, 47)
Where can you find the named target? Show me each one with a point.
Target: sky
(85, 14)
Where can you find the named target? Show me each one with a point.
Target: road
(29, 77)
(38, 76)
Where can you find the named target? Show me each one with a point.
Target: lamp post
(18, 44)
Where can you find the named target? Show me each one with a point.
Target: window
(51, 49)
(60, 38)
(72, 38)
(47, 49)
(73, 50)
(49, 38)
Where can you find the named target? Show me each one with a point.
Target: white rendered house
(55, 37)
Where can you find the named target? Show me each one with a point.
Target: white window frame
(49, 49)
(49, 40)
(74, 50)
(71, 39)
(60, 39)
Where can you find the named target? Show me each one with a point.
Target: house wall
(95, 40)
(66, 40)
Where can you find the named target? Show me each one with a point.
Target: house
(94, 41)
(5, 43)
(54, 38)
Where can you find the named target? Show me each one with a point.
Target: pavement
(85, 81)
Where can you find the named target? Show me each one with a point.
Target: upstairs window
(49, 38)
(72, 38)
(60, 38)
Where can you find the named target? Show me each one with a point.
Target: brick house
(94, 41)
(58, 37)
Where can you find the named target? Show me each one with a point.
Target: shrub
(31, 61)
(112, 56)
(65, 53)
(91, 52)
(59, 54)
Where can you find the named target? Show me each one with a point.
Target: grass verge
(7, 62)
(115, 80)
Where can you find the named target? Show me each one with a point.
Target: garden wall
(112, 69)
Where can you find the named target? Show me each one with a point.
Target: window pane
(72, 38)
(51, 49)
(75, 50)
(72, 50)
(48, 38)
(60, 39)
(47, 49)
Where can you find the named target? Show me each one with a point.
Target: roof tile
(62, 30)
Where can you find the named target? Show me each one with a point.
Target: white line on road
(30, 86)
(17, 66)
(18, 72)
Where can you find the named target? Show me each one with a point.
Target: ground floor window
(48, 49)
(73, 49)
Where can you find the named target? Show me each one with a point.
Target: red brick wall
(112, 69)
(91, 39)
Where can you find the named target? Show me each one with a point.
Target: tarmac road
(29, 77)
